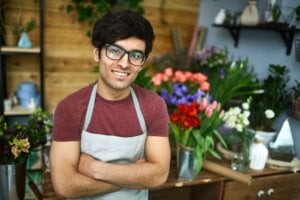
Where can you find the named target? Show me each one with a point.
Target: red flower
(186, 115)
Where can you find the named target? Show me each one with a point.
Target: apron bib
(114, 149)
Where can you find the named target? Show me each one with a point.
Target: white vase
(220, 17)
(250, 15)
(258, 154)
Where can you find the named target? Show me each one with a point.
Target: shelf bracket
(288, 37)
(235, 34)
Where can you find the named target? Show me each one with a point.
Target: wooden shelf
(8, 50)
(18, 110)
(287, 33)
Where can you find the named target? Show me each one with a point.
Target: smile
(120, 74)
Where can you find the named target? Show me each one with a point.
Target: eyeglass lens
(135, 57)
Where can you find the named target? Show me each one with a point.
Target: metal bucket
(12, 182)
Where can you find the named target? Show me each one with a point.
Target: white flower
(245, 106)
(269, 114)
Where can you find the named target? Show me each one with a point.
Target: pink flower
(169, 71)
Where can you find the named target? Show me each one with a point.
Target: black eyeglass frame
(125, 52)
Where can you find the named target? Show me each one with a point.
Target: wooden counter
(211, 186)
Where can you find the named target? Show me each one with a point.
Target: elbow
(62, 191)
(158, 180)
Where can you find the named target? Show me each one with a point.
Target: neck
(112, 94)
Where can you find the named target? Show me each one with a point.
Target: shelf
(18, 110)
(287, 33)
(34, 52)
(17, 50)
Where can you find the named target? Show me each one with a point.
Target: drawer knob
(260, 193)
(270, 191)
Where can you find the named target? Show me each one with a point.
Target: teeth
(120, 74)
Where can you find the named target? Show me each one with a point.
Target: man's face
(119, 74)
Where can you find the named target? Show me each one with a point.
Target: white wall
(261, 47)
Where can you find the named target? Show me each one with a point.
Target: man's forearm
(77, 185)
(136, 175)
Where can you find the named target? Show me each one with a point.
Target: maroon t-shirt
(117, 118)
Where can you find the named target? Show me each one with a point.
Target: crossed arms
(76, 175)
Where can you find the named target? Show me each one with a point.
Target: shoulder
(78, 98)
(145, 95)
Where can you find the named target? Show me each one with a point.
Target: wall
(68, 52)
(261, 47)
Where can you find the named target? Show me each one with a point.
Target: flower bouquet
(239, 141)
(180, 87)
(193, 126)
(194, 115)
(17, 142)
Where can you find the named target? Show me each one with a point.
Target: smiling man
(110, 139)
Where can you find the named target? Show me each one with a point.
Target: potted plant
(24, 41)
(16, 144)
(271, 101)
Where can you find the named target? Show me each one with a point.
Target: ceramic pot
(250, 15)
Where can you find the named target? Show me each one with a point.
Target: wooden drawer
(284, 186)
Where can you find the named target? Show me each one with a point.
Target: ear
(96, 54)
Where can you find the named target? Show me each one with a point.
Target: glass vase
(241, 158)
(186, 163)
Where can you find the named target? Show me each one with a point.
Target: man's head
(121, 25)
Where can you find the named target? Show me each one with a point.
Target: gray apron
(114, 149)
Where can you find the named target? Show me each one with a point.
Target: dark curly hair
(120, 25)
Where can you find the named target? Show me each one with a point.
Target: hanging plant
(89, 11)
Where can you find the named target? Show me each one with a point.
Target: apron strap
(91, 104)
(89, 112)
(138, 111)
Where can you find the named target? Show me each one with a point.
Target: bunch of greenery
(275, 95)
(29, 26)
(90, 10)
(18, 141)
(229, 80)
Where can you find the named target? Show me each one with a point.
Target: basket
(296, 108)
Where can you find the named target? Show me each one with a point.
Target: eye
(115, 50)
(136, 55)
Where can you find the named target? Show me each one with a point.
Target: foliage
(229, 80)
(194, 125)
(144, 79)
(276, 12)
(180, 87)
(90, 10)
(30, 25)
(275, 96)
(16, 142)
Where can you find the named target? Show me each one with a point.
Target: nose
(124, 61)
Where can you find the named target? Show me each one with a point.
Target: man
(110, 139)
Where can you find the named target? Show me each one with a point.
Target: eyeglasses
(116, 52)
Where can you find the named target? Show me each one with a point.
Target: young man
(110, 139)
